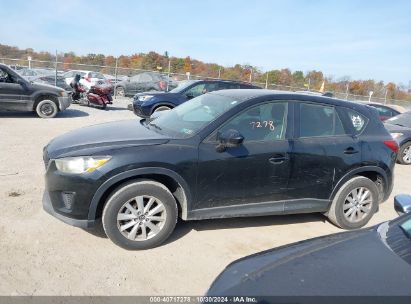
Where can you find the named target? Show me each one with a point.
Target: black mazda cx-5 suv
(228, 153)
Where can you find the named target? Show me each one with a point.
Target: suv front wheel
(46, 108)
(140, 215)
(354, 204)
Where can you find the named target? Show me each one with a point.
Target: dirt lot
(39, 255)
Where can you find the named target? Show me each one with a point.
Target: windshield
(190, 117)
(403, 120)
(182, 86)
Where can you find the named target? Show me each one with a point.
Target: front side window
(264, 122)
(145, 78)
(319, 120)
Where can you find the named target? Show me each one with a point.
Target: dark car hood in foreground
(104, 136)
(345, 264)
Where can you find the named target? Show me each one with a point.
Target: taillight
(87, 79)
(392, 144)
(163, 84)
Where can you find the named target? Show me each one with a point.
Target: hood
(101, 137)
(352, 263)
(47, 87)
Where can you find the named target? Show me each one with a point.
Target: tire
(104, 106)
(404, 155)
(120, 92)
(124, 203)
(346, 217)
(162, 108)
(46, 108)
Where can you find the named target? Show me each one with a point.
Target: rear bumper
(48, 207)
(64, 102)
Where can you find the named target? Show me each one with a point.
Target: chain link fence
(116, 74)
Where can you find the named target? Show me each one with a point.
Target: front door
(13, 96)
(256, 171)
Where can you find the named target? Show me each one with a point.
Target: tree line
(163, 62)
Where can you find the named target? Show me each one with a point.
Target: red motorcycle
(98, 95)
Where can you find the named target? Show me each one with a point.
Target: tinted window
(385, 112)
(263, 122)
(319, 120)
(229, 86)
(197, 90)
(210, 87)
(358, 121)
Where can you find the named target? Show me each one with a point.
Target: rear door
(323, 151)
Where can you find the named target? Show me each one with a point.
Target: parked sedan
(369, 262)
(229, 153)
(386, 111)
(147, 103)
(400, 128)
(88, 78)
(31, 74)
(144, 82)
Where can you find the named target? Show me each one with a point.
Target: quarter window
(319, 120)
(265, 122)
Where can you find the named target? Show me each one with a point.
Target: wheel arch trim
(135, 173)
(356, 171)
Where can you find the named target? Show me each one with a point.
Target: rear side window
(228, 86)
(97, 75)
(319, 120)
(145, 78)
(357, 120)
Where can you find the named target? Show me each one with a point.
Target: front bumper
(48, 207)
(141, 111)
(64, 102)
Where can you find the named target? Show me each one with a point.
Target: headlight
(78, 165)
(396, 135)
(63, 94)
(145, 97)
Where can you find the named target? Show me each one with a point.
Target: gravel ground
(39, 255)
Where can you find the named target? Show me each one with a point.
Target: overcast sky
(362, 39)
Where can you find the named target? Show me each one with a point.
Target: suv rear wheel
(46, 108)
(354, 204)
(140, 215)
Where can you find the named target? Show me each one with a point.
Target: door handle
(278, 159)
(350, 150)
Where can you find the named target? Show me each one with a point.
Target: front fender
(136, 173)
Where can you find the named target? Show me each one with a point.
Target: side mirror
(229, 139)
(402, 204)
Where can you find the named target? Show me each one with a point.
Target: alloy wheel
(46, 109)
(141, 218)
(357, 204)
(406, 155)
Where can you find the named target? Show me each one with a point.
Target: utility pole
(309, 83)
(115, 77)
(55, 78)
(266, 81)
(346, 91)
(219, 72)
(251, 74)
(385, 97)
(169, 68)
